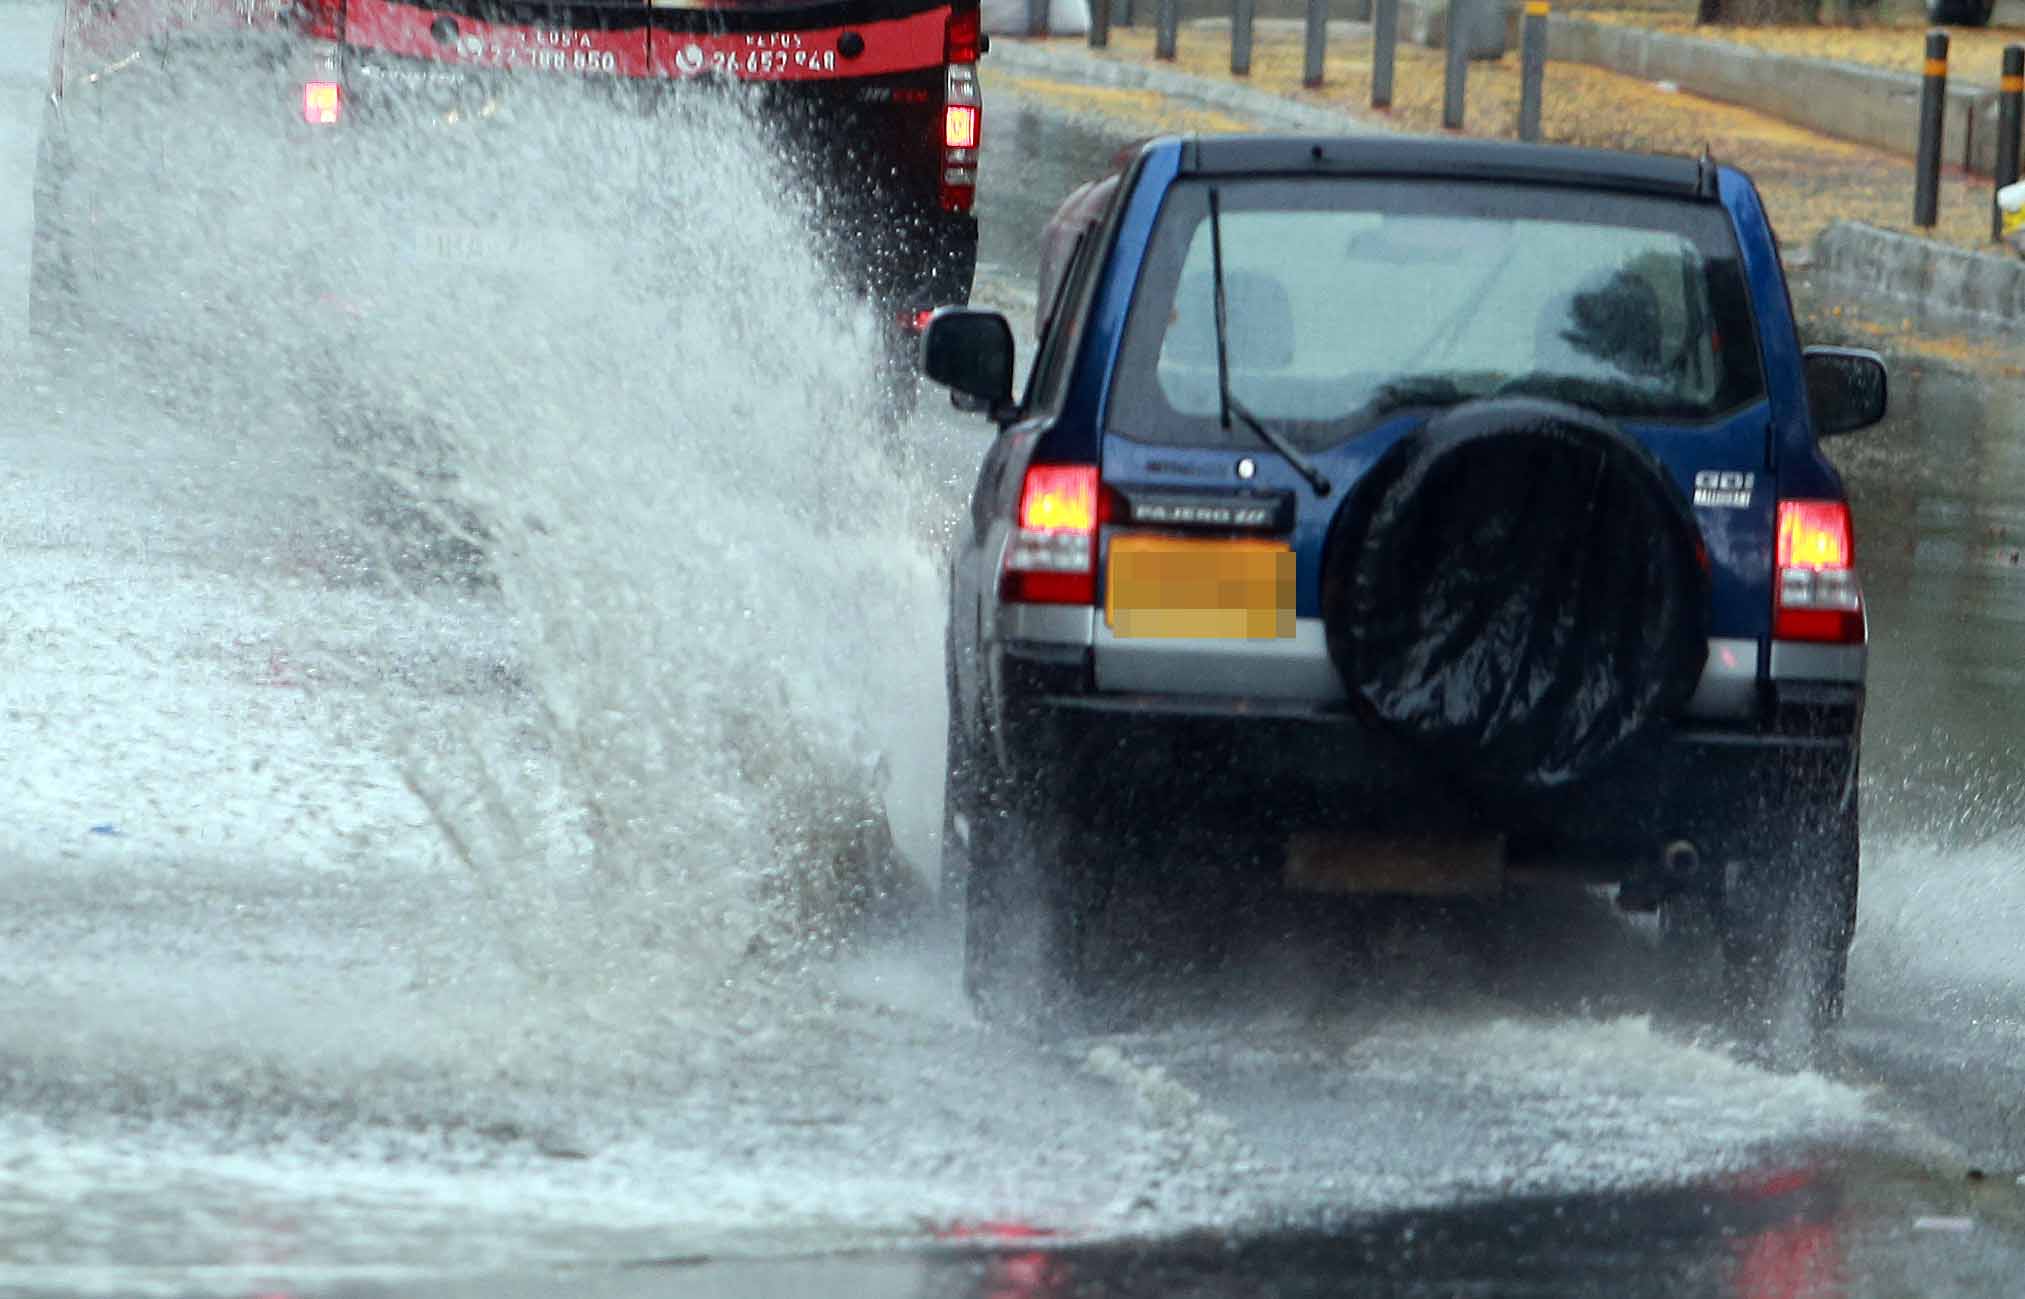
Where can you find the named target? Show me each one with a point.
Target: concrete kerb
(1070, 62)
(1844, 100)
(1933, 279)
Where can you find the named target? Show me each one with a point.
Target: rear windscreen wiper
(1229, 404)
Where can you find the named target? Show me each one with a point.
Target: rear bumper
(1273, 767)
(928, 260)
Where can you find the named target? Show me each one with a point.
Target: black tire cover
(1518, 591)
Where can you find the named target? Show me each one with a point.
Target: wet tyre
(1035, 882)
(962, 767)
(1517, 592)
(1787, 921)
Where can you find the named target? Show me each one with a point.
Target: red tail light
(322, 103)
(1052, 557)
(963, 38)
(962, 128)
(1816, 596)
(959, 126)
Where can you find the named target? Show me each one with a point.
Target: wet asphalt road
(274, 1063)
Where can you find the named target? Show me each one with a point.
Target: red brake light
(959, 126)
(1052, 557)
(962, 125)
(1059, 498)
(962, 37)
(1816, 596)
(322, 103)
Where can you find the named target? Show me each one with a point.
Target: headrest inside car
(1261, 320)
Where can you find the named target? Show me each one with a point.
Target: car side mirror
(970, 352)
(1846, 389)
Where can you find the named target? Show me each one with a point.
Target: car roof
(1444, 158)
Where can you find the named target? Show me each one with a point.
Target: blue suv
(1405, 516)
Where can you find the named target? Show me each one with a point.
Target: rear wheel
(962, 764)
(1036, 881)
(1787, 921)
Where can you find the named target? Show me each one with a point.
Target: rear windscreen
(1349, 300)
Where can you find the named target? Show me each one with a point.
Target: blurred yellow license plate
(1218, 590)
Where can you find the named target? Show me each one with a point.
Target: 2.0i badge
(1723, 489)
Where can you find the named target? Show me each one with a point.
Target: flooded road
(366, 936)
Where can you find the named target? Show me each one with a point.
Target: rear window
(1351, 300)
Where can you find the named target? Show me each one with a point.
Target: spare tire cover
(1518, 591)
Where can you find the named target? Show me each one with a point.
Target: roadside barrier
(1532, 68)
(1384, 44)
(1455, 67)
(2009, 97)
(1463, 17)
(1317, 41)
(1927, 165)
(1460, 37)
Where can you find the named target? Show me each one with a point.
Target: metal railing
(1105, 14)
(1457, 38)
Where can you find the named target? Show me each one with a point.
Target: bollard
(1037, 17)
(1933, 103)
(1241, 37)
(2010, 99)
(1458, 51)
(1318, 38)
(1100, 24)
(1166, 18)
(1384, 40)
(1532, 68)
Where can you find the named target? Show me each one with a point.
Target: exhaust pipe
(1680, 861)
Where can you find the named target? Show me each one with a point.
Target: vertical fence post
(1100, 24)
(1456, 42)
(1166, 20)
(2010, 99)
(1126, 17)
(1241, 37)
(1318, 40)
(1384, 40)
(1933, 106)
(1532, 68)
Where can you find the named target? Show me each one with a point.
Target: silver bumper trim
(1299, 668)
(1794, 660)
(1046, 624)
(1295, 668)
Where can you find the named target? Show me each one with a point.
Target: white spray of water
(593, 342)
(724, 615)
